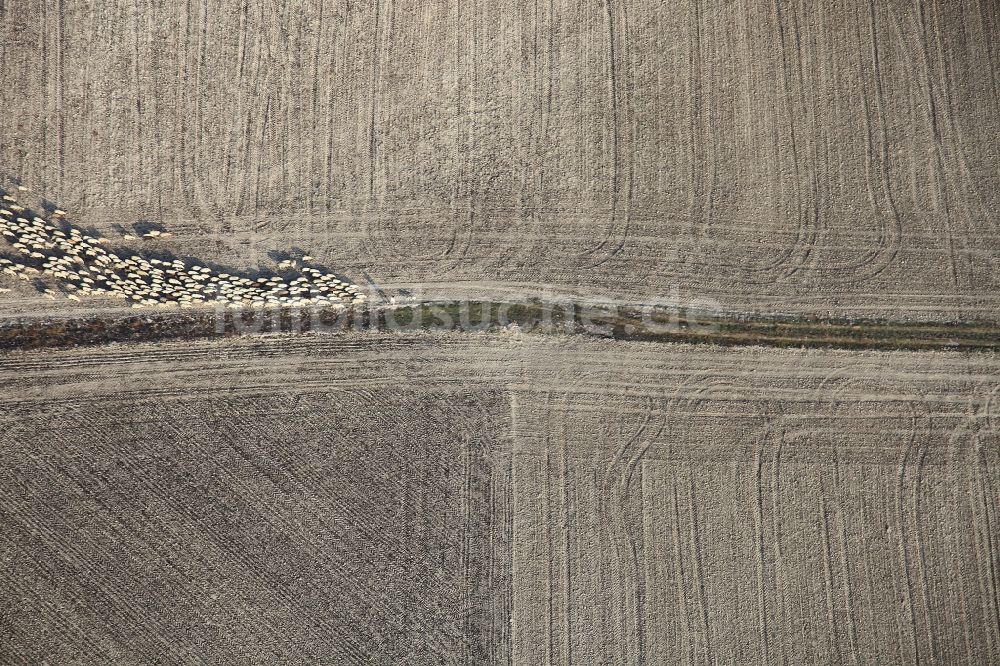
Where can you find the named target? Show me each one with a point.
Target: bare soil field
(274, 524)
(773, 157)
(387, 498)
(816, 481)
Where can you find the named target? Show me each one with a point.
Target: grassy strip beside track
(529, 317)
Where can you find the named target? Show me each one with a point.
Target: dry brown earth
(377, 498)
(772, 156)
(487, 498)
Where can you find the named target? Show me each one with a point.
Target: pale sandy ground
(378, 498)
(770, 156)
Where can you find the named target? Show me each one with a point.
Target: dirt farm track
(815, 480)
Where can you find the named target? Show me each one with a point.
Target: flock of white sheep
(80, 265)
